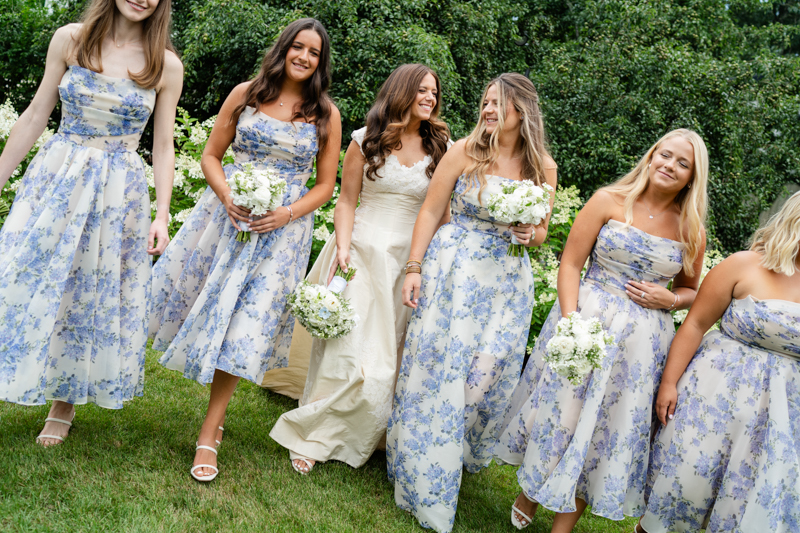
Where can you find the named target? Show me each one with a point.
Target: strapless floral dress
(729, 460)
(219, 303)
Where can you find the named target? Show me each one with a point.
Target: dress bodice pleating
(623, 253)
(772, 325)
(103, 112)
(468, 211)
(263, 141)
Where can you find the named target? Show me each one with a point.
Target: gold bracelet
(413, 269)
(410, 261)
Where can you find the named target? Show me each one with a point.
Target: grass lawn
(128, 470)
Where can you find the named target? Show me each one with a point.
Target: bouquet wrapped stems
(515, 249)
(244, 233)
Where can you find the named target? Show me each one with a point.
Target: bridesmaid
(472, 306)
(74, 267)
(726, 457)
(588, 444)
(219, 306)
(348, 393)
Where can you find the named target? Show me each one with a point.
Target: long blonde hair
(692, 199)
(98, 18)
(778, 242)
(483, 148)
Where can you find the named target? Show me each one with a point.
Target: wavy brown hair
(483, 148)
(98, 19)
(317, 106)
(389, 116)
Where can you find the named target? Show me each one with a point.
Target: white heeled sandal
(61, 439)
(516, 522)
(195, 467)
(215, 440)
(297, 468)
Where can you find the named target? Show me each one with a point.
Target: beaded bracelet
(291, 214)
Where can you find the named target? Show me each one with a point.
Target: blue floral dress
(592, 441)
(219, 303)
(729, 461)
(463, 353)
(74, 268)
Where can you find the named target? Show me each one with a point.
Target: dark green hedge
(613, 75)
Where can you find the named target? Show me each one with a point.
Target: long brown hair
(98, 18)
(390, 114)
(483, 148)
(266, 86)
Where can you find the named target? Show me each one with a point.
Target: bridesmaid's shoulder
(549, 162)
(456, 155)
(746, 259)
(66, 36)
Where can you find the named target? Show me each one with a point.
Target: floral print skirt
(74, 279)
(729, 461)
(463, 353)
(590, 441)
(221, 304)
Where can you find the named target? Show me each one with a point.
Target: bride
(346, 403)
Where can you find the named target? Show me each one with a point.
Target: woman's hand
(523, 233)
(666, 401)
(271, 221)
(235, 212)
(411, 289)
(342, 260)
(649, 295)
(159, 233)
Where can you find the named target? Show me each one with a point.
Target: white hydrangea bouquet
(259, 191)
(521, 202)
(578, 347)
(323, 311)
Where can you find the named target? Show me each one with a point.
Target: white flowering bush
(577, 347)
(323, 311)
(522, 202)
(8, 117)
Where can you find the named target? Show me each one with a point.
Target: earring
(690, 186)
(648, 165)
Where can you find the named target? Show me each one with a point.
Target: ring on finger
(643, 295)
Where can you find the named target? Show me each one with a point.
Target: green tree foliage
(613, 75)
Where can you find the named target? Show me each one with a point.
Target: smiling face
(672, 165)
(136, 10)
(302, 58)
(425, 100)
(491, 110)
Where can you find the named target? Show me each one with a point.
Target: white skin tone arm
(169, 92)
(598, 210)
(33, 121)
(221, 137)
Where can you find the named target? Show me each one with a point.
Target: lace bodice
(772, 325)
(395, 179)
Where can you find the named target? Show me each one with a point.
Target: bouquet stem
(243, 236)
(341, 279)
(515, 249)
